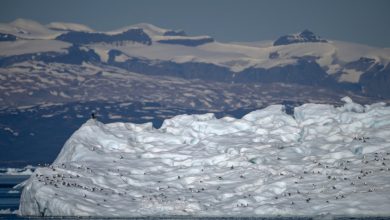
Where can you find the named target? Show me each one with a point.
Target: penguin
(93, 116)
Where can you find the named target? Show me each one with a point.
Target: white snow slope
(324, 160)
(331, 56)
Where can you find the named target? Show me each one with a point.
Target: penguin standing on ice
(93, 116)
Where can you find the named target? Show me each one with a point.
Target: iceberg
(26, 171)
(323, 160)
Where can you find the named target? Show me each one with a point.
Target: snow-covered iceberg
(323, 160)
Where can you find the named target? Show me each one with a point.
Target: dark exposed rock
(175, 33)
(274, 55)
(187, 41)
(7, 37)
(362, 64)
(75, 55)
(76, 37)
(376, 81)
(305, 36)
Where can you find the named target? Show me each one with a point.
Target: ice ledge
(323, 160)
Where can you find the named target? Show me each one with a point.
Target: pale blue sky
(361, 21)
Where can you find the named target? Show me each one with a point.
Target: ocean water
(9, 197)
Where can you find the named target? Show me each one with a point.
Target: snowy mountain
(325, 161)
(305, 36)
(28, 29)
(302, 58)
(167, 36)
(62, 26)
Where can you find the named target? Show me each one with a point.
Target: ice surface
(323, 160)
(28, 29)
(32, 46)
(7, 212)
(69, 27)
(28, 170)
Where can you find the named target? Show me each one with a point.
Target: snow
(348, 52)
(159, 38)
(121, 58)
(8, 212)
(323, 160)
(28, 170)
(264, 43)
(69, 27)
(175, 53)
(350, 75)
(103, 54)
(331, 55)
(156, 33)
(28, 29)
(238, 56)
(149, 29)
(32, 46)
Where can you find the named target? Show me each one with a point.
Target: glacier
(322, 160)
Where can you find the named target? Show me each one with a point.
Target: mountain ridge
(144, 48)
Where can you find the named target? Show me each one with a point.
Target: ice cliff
(323, 160)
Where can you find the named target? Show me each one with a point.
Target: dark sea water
(9, 197)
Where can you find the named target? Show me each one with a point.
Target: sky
(360, 21)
